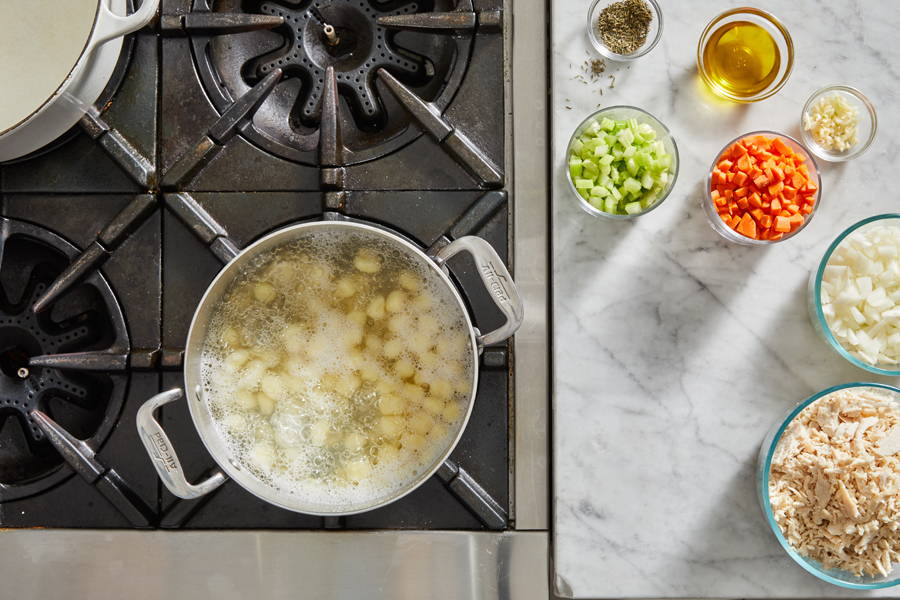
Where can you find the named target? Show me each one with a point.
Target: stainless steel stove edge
(226, 565)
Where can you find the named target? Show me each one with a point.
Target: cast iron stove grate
(394, 68)
(86, 403)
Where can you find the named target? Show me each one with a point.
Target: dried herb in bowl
(623, 26)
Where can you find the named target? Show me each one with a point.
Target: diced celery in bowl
(622, 162)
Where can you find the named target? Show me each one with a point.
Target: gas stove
(225, 121)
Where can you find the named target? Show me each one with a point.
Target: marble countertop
(675, 350)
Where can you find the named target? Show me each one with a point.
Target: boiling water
(336, 370)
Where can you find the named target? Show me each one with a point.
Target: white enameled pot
(44, 119)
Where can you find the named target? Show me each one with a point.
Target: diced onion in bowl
(860, 294)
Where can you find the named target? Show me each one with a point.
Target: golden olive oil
(742, 58)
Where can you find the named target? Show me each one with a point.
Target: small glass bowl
(763, 469)
(730, 234)
(768, 22)
(653, 34)
(868, 123)
(621, 113)
(814, 303)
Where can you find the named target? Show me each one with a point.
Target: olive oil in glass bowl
(745, 55)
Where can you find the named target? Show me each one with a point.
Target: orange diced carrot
(741, 192)
(743, 162)
(796, 220)
(776, 188)
(811, 186)
(775, 206)
(798, 180)
(757, 214)
(747, 226)
(775, 236)
(724, 165)
(728, 194)
(755, 200)
(779, 174)
(794, 208)
(806, 209)
(743, 204)
(766, 221)
(740, 178)
(761, 181)
(782, 224)
(789, 192)
(781, 147)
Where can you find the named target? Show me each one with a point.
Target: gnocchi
(336, 367)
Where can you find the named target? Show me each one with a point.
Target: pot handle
(496, 279)
(110, 25)
(162, 454)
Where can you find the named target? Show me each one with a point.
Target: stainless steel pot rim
(198, 407)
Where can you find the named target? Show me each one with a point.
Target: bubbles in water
(321, 356)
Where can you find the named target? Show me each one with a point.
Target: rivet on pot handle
(162, 454)
(109, 25)
(496, 279)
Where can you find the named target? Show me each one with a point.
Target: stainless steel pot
(494, 276)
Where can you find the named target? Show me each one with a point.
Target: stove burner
(87, 318)
(356, 47)
(343, 35)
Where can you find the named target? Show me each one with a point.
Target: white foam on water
(297, 376)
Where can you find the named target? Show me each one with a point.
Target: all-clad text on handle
(496, 279)
(163, 455)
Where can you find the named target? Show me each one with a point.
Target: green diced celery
(607, 124)
(631, 185)
(626, 137)
(610, 204)
(583, 193)
(616, 193)
(647, 132)
(647, 181)
(629, 151)
(607, 160)
(632, 208)
(599, 191)
(584, 184)
(575, 170)
(632, 166)
(577, 144)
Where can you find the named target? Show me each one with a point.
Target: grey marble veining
(675, 350)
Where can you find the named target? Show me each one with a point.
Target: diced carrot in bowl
(761, 187)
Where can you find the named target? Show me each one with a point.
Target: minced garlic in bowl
(838, 123)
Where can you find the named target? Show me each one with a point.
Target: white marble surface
(675, 350)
